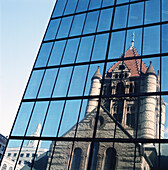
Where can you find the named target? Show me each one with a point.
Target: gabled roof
(133, 65)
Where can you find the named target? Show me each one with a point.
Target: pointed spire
(97, 74)
(150, 69)
(133, 37)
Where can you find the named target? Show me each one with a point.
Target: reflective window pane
(52, 29)
(70, 7)
(53, 118)
(95, 4)
(34, 84)
(59, 8)
(47, 84)
(105, 20)
(64, 27)
(164, 38)
(70, 51)
(77, 25)
(91, 22)
(99, 51)
(57, 53)
(107, 3)
(43, 55)
(82, 5)
(62, 83)
(164, 10)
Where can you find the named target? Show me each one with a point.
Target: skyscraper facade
(97, 94)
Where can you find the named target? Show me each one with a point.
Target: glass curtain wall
(97, 94)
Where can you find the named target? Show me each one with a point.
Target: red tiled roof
(133, 65)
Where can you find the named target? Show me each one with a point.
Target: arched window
(131, 88)
(94, 157)
(76, 159)
(110, 159)
(4, 167)
(120, 88)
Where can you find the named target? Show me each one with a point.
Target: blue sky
(23, 24)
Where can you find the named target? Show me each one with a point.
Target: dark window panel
(64, 27)
(22, 119)
(136, 14)
(164, 10)
(59, 8)
(82, 5)
(151, 42)
(70, 51)
(77, 25)
(78, 81)
(91, 22)
(105, 20)
(85, 49)
(165, 38)
(152, 11)
(62, 82)
(93, 68)
(107, 3)
(95, 4)
(37, 118)
(53, 119)
(116, 44)
(76, 160)
(70, 8)
(120, 18)
(47, 84)
(34, 83)
(52, 29)
(70, 117)
(57, 53)
(43, 55)
(100, 46)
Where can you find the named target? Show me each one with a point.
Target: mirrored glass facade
(97, 96)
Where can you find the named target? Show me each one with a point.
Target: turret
(94, 90)
(147, 121)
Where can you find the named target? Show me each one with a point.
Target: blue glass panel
(151, 43)
(164, 10)
(91, 22)
(43, 55)
(34, 84)
(85, 49)
(136, 14)
(57, 53)
(82, 5)
(70, 117)
(70, 51)
(107, 3)
(22, 119)
(120, 18)
(105, 20)
(78, 81)
(62, 82)
(47, 84)
(116, 44)
(64, 27)
(95, 4)
(165, 38)
(53, 119)
(59, 8)
(37, 118)
(164, 73)
(77, 25)
(70, 8)
(122, 1)
(100, 46)
(93, 68)
(152, 11)
(52, 29)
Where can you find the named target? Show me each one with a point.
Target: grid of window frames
(97, 94)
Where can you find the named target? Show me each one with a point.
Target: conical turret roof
(150, 69)
(97, 74)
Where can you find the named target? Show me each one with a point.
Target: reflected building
(117, 119)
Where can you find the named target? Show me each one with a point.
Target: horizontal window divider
(97, 9)
(69, 139)
(119, 96)
(109, 31)
(102, 61)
